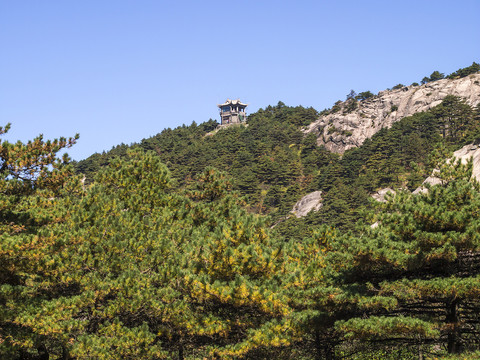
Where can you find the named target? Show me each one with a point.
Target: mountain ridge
(274, 165)
(348, 124)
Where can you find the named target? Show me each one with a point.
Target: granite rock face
(309, 202)
(464, 154)
(467, 152)
(381, 194)
(343, 130)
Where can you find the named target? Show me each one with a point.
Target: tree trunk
(43, 352)
(180, 351)
(453, 337)
(324, 350)
(329, 352)
(318, 346)
(65, 354)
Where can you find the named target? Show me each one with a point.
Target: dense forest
(183, 246)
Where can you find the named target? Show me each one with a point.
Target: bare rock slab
(310, 202)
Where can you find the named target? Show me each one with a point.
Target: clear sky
(122, 70)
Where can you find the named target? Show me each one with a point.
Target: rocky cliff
(347, 125)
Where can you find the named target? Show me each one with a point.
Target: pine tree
(421, 262)
(454, 117)
(35, 189)
(312, 295)
(156, 273)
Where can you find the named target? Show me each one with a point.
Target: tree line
(134, 266)
(148, 251)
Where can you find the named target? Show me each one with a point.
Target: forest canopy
(183, 246)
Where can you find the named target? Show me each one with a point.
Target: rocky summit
(350, 123)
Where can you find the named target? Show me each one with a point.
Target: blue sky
(118, 71)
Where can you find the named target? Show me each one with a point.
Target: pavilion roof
(232, 102)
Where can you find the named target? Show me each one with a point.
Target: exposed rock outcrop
(467, 152)
(431, 180)
(380, 194)
(464, 154)
(340, 131)
(309, 202)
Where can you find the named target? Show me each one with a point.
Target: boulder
(380, 194)
(310, 202)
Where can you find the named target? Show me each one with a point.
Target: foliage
(160, 255)
(386, 158)
(273, 164)
(434, 76)
(146, 271)
(350, 105)
(463, 72)
(454, 117)
(269, 160)
(422, 257)
(35, 191)
(425, 80)
(351, 95)
(336, 107)
(364, 95)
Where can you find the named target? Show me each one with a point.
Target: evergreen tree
(35, 191)
(472, 69)
(421, 261)
(454, 117)
(312, 295)
(155, 273)
(436, 75)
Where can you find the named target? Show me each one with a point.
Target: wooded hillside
(183, 246)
